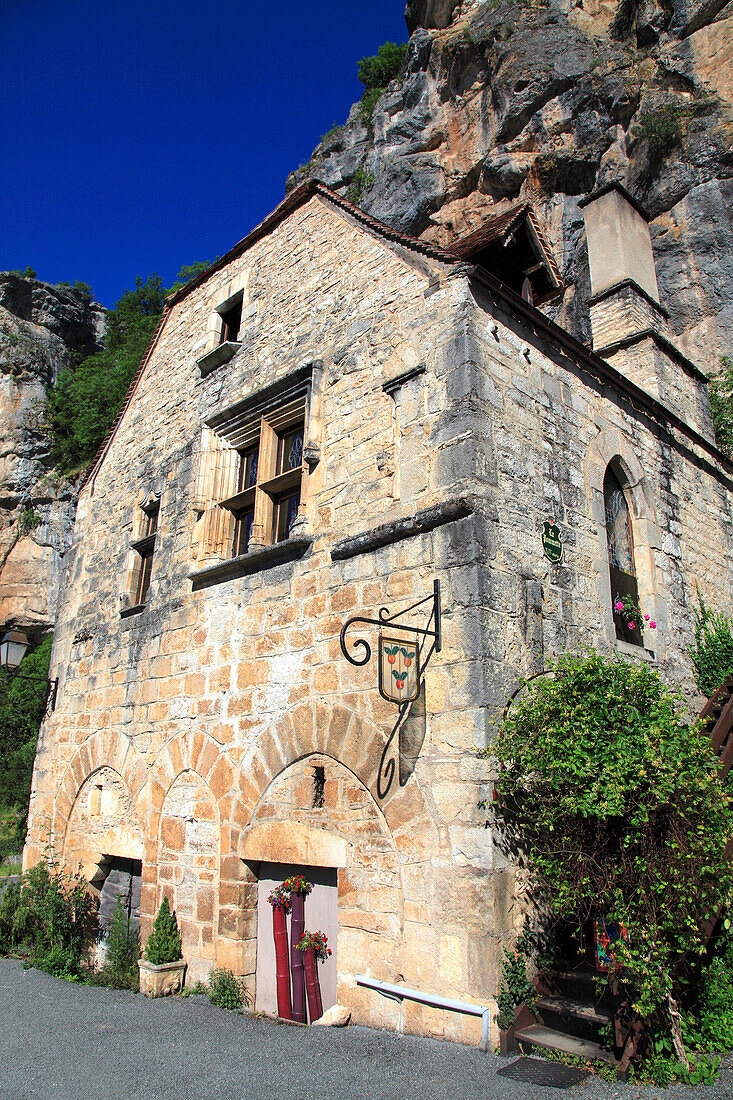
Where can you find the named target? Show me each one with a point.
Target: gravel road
(61, 1041)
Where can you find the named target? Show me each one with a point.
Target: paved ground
(61, 1041)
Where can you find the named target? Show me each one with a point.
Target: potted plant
(162, 968)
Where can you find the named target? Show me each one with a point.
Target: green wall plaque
(551, 541)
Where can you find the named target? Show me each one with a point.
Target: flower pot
(312, 984)
(282, 965)
(162, 979)
(297, 927)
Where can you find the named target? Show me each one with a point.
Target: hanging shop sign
(552, 544)
(399, 669)
(401, 665)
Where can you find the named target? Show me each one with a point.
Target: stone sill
(134, 610)
(254, 562)
(640, 651)
(220, 354)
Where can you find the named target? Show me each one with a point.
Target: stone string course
(212, 706)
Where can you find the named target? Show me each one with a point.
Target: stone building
(330, 419)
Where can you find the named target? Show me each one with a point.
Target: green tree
(164, 941)
(375, 74)
(721, 405)
(189, 272)
(21, 712)
(616, 804)
(385, 65)
(712, 653)
(85, 401)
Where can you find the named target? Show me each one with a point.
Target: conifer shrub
(164, 942)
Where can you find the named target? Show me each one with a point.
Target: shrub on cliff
(21, 710)
(85, 401)
(721, 405)
(375, 74)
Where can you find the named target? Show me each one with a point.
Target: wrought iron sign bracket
(401, 666)
(392, 621)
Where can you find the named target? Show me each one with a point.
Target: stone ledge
(222, 353)
(136, 608)
(253, 562)
(639, 651)
(447, 511)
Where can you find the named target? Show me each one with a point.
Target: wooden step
(539, 1036)
(566, 1006)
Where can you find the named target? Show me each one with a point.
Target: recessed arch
(613, 451)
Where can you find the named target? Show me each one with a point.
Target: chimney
(630, 328)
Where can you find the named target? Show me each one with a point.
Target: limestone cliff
(43, 330)
(502, 101)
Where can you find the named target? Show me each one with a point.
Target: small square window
(231, 322)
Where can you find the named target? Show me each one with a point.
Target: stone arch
(341, 828)
(612, 448)
(341, 733)
(104, 749)
(103, 822)
(187, 862)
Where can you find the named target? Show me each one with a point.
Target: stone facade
(215, 716)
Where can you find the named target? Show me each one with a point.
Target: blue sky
(145, 135)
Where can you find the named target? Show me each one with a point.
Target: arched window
(620, 538)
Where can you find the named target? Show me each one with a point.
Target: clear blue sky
(142, 135)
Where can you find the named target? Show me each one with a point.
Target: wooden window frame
(273, 487)
(144, 550)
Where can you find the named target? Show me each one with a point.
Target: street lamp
(13, 649)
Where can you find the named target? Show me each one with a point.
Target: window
(619, 535)
(269, 477)
(231, 321)
(144, 549)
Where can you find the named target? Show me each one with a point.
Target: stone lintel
(426, 520)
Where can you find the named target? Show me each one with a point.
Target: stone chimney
(630, 328)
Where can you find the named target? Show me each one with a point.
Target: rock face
(43, 330)
(506, 101)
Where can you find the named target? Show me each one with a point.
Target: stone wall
(441, 430)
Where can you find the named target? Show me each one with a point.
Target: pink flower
(646, 618)
(631, 626)
(618, 606)
(653, 625)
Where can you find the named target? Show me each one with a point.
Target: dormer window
(512, 248)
